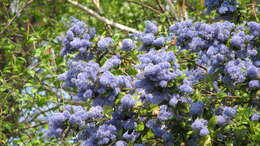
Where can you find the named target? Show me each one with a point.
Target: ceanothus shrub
(177, 93)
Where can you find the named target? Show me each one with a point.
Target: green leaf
(108, 110)
(140, 127)
(212, 122)
(206, 141)
(148, 135)
(31, 72)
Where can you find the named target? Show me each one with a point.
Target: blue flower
(164, 113)
(128, 101)
(196, 108)
(254, 84)
(105, 43)
(150, 27)
(127, 44)
(186, 88)
(255, 117)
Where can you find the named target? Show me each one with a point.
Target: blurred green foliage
(30, 61)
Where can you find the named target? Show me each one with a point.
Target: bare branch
(103, 19)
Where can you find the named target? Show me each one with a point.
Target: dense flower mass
(165, 99)
(209, 42)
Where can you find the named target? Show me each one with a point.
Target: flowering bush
(184, 87)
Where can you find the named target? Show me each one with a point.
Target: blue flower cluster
(75, 115)
(201, 126)
(212, 4)
(127, 101)
(56, 124)
(157, 70)
(101, 135)
(177, 98)
(227, 6)
(225, 115)
(155, 67)
(95, 82)
(196, 108)
(104, 43)
(78, 39)
(149, 39)
(127, 45)
(222, 6)
(165, 113)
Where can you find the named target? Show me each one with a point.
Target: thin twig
(162, 11)
(100, 56)
(160, 6)
(196, 64)
(102, 19)
(213, 94)
(34, 126)
(145, 5)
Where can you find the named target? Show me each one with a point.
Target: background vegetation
(29, 52)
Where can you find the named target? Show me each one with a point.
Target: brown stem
(160, 6)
